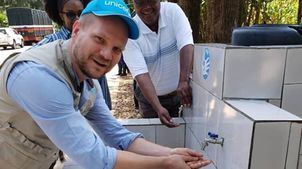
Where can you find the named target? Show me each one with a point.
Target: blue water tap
(213, 139)
(212, 135)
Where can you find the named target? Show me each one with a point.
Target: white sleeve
(134, 58)
(182, 27)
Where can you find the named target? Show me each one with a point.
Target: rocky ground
(121, 91)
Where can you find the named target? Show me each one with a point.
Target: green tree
(3, 19)
(272, 12)
(282, 12)
(35, 4)
(220, 17)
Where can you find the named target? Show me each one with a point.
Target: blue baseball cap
(113, 8)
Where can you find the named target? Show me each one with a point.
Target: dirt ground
(121, 91)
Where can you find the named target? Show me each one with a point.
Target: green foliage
(273, 12)
(282, 12)
(35, 4)
(3, 19)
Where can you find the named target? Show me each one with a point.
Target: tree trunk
(299, 12)
(244, 4)
(257, 15)
(192, 11)
(222, 17)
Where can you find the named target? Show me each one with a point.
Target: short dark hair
(54, 7)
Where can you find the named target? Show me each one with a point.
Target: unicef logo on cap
(205, 67)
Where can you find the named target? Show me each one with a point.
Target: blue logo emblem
(205, 67)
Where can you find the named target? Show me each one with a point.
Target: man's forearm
(144, 147)
(129, 160)
(148, 90)
(146, 155)
(186, 57)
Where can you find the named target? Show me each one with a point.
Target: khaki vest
(23, 145)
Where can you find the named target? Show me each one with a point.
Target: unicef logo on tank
(205, 67)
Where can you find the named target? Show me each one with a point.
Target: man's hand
(193, 158)
(175, 162)
(184, 90)
(165, 118)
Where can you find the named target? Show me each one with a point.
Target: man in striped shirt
(160, 59)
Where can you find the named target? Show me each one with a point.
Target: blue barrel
(267, 34)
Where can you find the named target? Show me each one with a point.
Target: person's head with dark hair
(65, 12)
(148, 11)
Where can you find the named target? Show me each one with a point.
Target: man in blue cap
(52, 102)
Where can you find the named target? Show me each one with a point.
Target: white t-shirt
(158, 54)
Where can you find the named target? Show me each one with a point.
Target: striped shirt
(63, 33)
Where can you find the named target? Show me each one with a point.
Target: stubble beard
(82, 64)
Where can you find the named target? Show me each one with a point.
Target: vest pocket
(14, 159)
